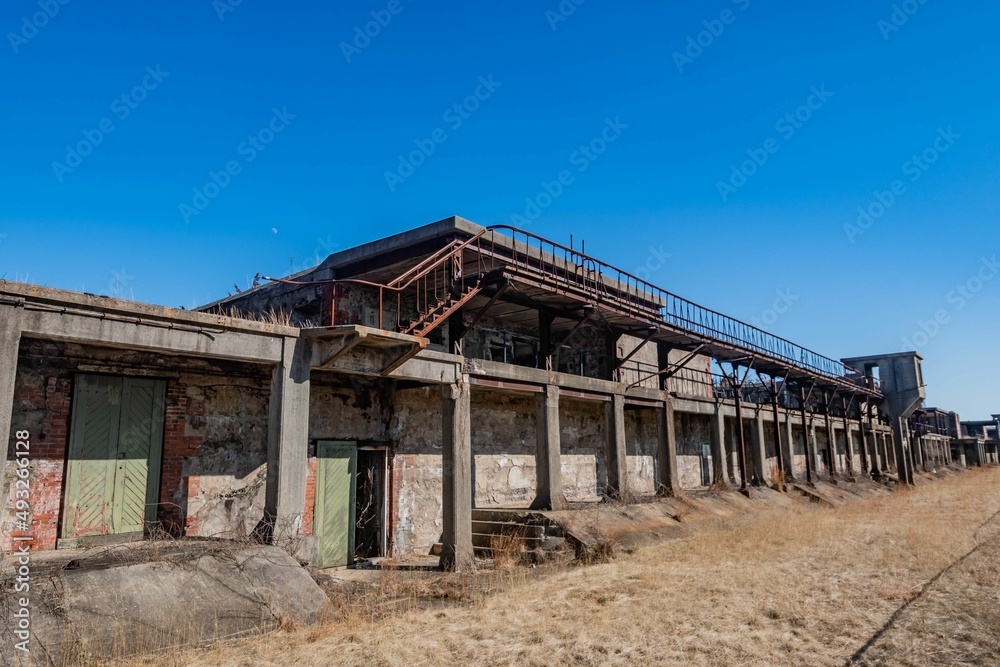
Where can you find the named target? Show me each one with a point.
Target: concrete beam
(456, 541)
(288, 442)
(617, 454)
(666, 431)
(155, 336)
(548, 465)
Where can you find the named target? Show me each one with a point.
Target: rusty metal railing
(569, 270)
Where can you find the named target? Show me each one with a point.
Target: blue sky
(746, 135)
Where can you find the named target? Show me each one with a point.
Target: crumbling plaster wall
(214, 439)
(415, 427)
(694, 458)
(641, 444)
(583, 433)
(503, 448)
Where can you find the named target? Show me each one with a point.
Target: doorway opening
(371, 508)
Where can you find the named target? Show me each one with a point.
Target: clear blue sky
(111, 221)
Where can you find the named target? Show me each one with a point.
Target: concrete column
(758, 452)
(813, 450)
(456, 541)
(831, 437)
(548, 464)
(666, 432)
(288, 442)
(789, 445)
(617, 454)
(10, 341)
(720, 462)
(901, 442)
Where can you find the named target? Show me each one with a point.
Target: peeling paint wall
(214, 440)
(641, 444)
(694, 458)
(417, 470)
(503, 449)
(583, 433)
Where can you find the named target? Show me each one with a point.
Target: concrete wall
(694, 437)
(584, 450)
(503, 449)
(641, 442)
(416, 430)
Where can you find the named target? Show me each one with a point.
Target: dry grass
(275, 317)
(808, 587)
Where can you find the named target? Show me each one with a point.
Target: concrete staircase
(540, 538)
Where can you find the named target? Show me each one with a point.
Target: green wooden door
(337, 464)
(113, 471)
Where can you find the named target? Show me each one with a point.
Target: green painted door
(113, 471)
(337, 465)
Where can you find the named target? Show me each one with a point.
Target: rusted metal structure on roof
(516, 274)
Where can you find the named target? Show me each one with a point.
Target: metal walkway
(506, 264)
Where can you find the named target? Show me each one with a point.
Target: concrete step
(507, 528)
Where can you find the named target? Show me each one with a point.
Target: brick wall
(214, 439)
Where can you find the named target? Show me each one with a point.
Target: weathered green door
(115, 447)
(337, 464)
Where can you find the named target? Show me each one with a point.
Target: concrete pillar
(901, 442)
(666, 431)
(831, 438)
(720, 462)
(10, 341)
(789, 445)
(617, 453)
(548, 464)
(814, 448)
(456, 540)
(758, 452)
(288, 442)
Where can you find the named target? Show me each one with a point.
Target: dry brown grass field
(808, 587)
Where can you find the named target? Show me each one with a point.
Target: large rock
(151, 596)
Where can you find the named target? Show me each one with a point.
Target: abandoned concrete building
(373, 404)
